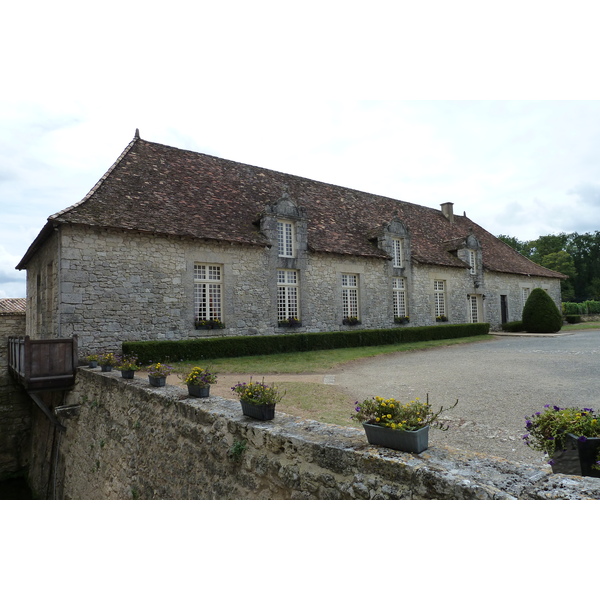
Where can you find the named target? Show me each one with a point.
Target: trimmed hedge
(230, 346)
(572, 319)
(589, 307)
(513, 326)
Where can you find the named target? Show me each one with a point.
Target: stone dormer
(394, 239)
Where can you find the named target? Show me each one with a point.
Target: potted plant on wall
(92, 360)
(401, 320)
(128, 365)
(258, 400)
(209, 324)
(569, 436)
(290, 322)
(392, 424)
(198, 381)
(107, 361)
(158, 373)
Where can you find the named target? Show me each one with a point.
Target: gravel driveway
(497, 383)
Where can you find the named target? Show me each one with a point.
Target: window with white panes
(439, 297)
(285, 238)
(287, 294)
(472, 261)
(398, 255)
(524, 295)
(208, 292)
(399, 291)
(350, 306)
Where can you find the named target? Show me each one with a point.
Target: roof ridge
(102, 179)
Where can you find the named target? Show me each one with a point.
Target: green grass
(578, 326)
(319, 361)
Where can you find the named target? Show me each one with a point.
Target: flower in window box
(351, 321)
(290, 322)
(402, 320)
(216, 324)
(440, 318)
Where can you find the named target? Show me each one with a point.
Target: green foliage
(589, 307)
(233, 346)
(388, 412)
(513, 326)
(546, 431)
(237, 449)
(540, 313)
(258, 393)
(572, 319)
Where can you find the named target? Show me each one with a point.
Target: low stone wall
(129, 440)
(15, 405)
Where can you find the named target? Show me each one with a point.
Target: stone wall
(132, 441)
(15, 405)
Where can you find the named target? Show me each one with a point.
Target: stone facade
(15, 405)
(129, 441)
(111, 286)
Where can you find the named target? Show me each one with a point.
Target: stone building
(170, 240)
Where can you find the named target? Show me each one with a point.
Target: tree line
(574, 254)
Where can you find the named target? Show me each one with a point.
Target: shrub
(573, 319)
(540, 313)
(230, 346)
(513, 326)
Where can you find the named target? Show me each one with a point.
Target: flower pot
(577, 457)
(199, 391)
(127, 374)
(397, 439)
(157, 381)
(262, 412)
(106, 368)
(93, 364)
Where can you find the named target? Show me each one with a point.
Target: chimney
(447, 211)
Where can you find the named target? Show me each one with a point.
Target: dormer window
(398, 254)
(285, 239)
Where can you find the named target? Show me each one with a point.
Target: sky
(293, 87)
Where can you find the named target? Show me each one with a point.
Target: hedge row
(221, 347)
(589, 307)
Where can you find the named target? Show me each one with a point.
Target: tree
(540, 314)
(562, 262)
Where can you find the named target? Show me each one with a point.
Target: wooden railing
(43, 364)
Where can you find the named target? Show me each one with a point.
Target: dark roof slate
(165, 190)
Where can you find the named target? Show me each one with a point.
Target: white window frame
(350, 299)
(472, 256)
(439, 298)
(399, 296)
(473, 308)
(287, 294)
(286, 246)
(525, 291)
(398, 253)
(208, 291)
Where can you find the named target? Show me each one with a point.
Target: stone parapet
(133, 441)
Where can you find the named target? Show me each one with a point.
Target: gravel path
(497, 384)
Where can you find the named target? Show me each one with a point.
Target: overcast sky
(288, 89)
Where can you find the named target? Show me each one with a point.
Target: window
(524, 295)
(208, 292)
(350, 296)
(287, 294)
(399, 291)
(398, 255)
(473, 309)
(285, 238)
(439, 297)
(472, 261)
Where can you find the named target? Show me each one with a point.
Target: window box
(351, 321)
(209, 324)
(290, 322)
(401, 320)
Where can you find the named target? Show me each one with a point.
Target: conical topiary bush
(540, 313)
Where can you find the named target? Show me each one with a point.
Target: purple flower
(556, 408)
(582, 439)
(551, 461)
(546, 406)
(357, 409)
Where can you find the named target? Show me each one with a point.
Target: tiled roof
(165, 190)
(13, 305)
